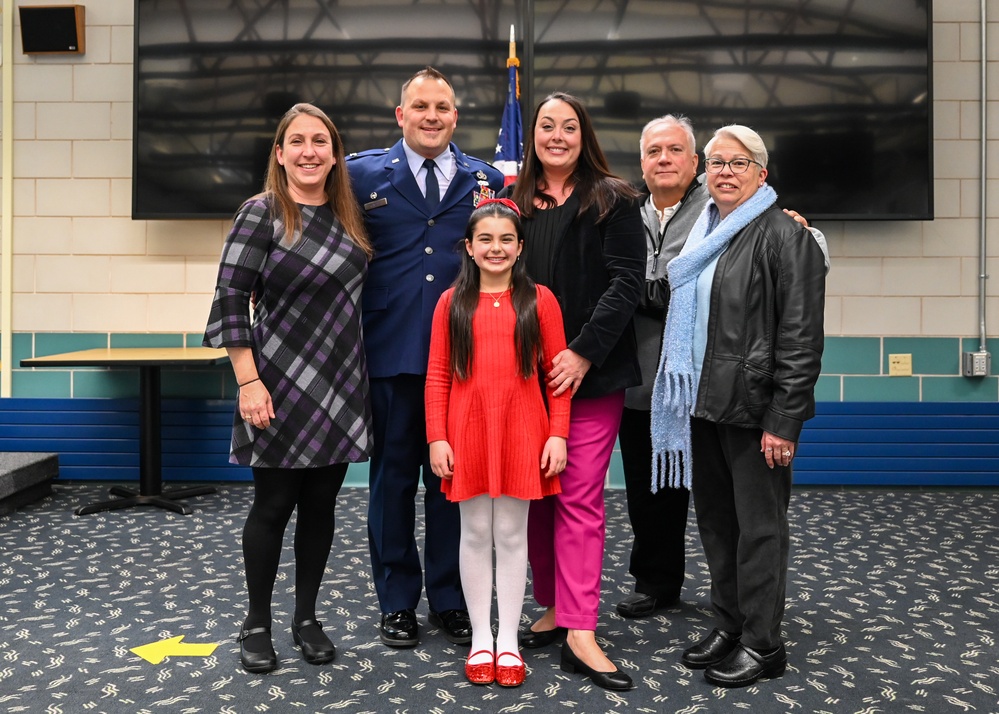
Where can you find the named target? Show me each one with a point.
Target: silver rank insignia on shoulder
(374, 194)
(395, 161)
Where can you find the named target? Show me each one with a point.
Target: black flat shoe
(313, 652)
(617, 680)
(532, 640)
(745, 665)
(399, 629)
(455, 623)
(711, 650)
(257, 662)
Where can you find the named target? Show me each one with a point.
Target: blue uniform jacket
(415, 252)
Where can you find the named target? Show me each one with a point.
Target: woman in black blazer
(583, 239)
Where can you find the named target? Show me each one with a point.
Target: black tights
(276, 493)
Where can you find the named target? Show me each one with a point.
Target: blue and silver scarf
(674, 393)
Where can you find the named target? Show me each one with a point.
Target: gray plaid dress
(305, 335)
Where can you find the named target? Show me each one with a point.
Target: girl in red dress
(493, 441)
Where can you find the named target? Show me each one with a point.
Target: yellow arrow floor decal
(156, 652)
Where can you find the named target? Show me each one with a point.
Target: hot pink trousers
(565, 533)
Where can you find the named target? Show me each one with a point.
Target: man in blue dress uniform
(417, 197)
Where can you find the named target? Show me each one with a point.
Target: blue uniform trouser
(400, 452)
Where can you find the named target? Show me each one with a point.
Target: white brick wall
(82, 264)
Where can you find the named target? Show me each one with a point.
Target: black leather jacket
(765, 329)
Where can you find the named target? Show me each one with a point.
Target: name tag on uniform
(376, 204)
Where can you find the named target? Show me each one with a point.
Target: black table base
(150, 491)
(131, 497)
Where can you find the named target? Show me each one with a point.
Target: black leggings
(276, 493)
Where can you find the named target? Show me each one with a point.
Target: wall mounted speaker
(53, 29)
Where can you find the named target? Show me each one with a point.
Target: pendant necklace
(496, 302)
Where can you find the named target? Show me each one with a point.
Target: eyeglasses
(738, 166)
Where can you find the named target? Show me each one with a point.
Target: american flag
(510, 143)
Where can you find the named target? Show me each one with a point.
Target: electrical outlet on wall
(977, 364)
(900, 365)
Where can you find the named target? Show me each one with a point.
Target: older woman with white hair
(741, 354)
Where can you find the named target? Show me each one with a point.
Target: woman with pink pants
(583, 239)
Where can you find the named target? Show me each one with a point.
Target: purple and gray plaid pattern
(305, 334)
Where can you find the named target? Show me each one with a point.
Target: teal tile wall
(930, 355)
(197, 384)
(105, 383)
(961, 389)
(853, 369)
(49, 343)
(970, 344)
(851, 355)
(880, 389)
(49, 383)
(147, 340)
(829, 389)
(21, 347)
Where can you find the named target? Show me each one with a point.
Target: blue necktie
(433, 188)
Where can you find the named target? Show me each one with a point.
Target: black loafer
(617, 680)
(399, 629)
(455, 623)
(711, 650)
(257, 662)
(533, 640)
(745, 665)
(313, 652)
(642, 605)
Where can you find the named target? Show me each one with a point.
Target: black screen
(839, 90)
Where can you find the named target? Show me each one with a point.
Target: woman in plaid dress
(303, 408)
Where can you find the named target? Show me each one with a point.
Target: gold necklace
(496, 302)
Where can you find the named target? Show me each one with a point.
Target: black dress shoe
(320, 651)
(532, 640)
(455, 623)
(745, 665)
(642, 605)
(257, 662)
(399, 629)
(711, 650)
(616, 680)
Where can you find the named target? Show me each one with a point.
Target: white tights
(486, 522)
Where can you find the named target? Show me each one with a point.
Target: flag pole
(510, 141)
(512, 60)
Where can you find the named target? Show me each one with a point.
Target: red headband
(502, 201)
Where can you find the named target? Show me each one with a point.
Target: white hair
(745, 136)
(678, 120)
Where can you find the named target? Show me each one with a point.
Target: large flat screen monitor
(839, 90)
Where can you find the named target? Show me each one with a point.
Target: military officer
(417, 197)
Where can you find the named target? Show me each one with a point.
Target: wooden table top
(131, 357)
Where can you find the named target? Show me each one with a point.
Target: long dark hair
(339, 194)
(465, 300)
(592, 180)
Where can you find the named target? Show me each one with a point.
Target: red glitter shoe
(484, 673)
(510, 676)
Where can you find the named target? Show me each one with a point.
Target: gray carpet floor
(893, 606)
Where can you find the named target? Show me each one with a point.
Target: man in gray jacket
(659, 520)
